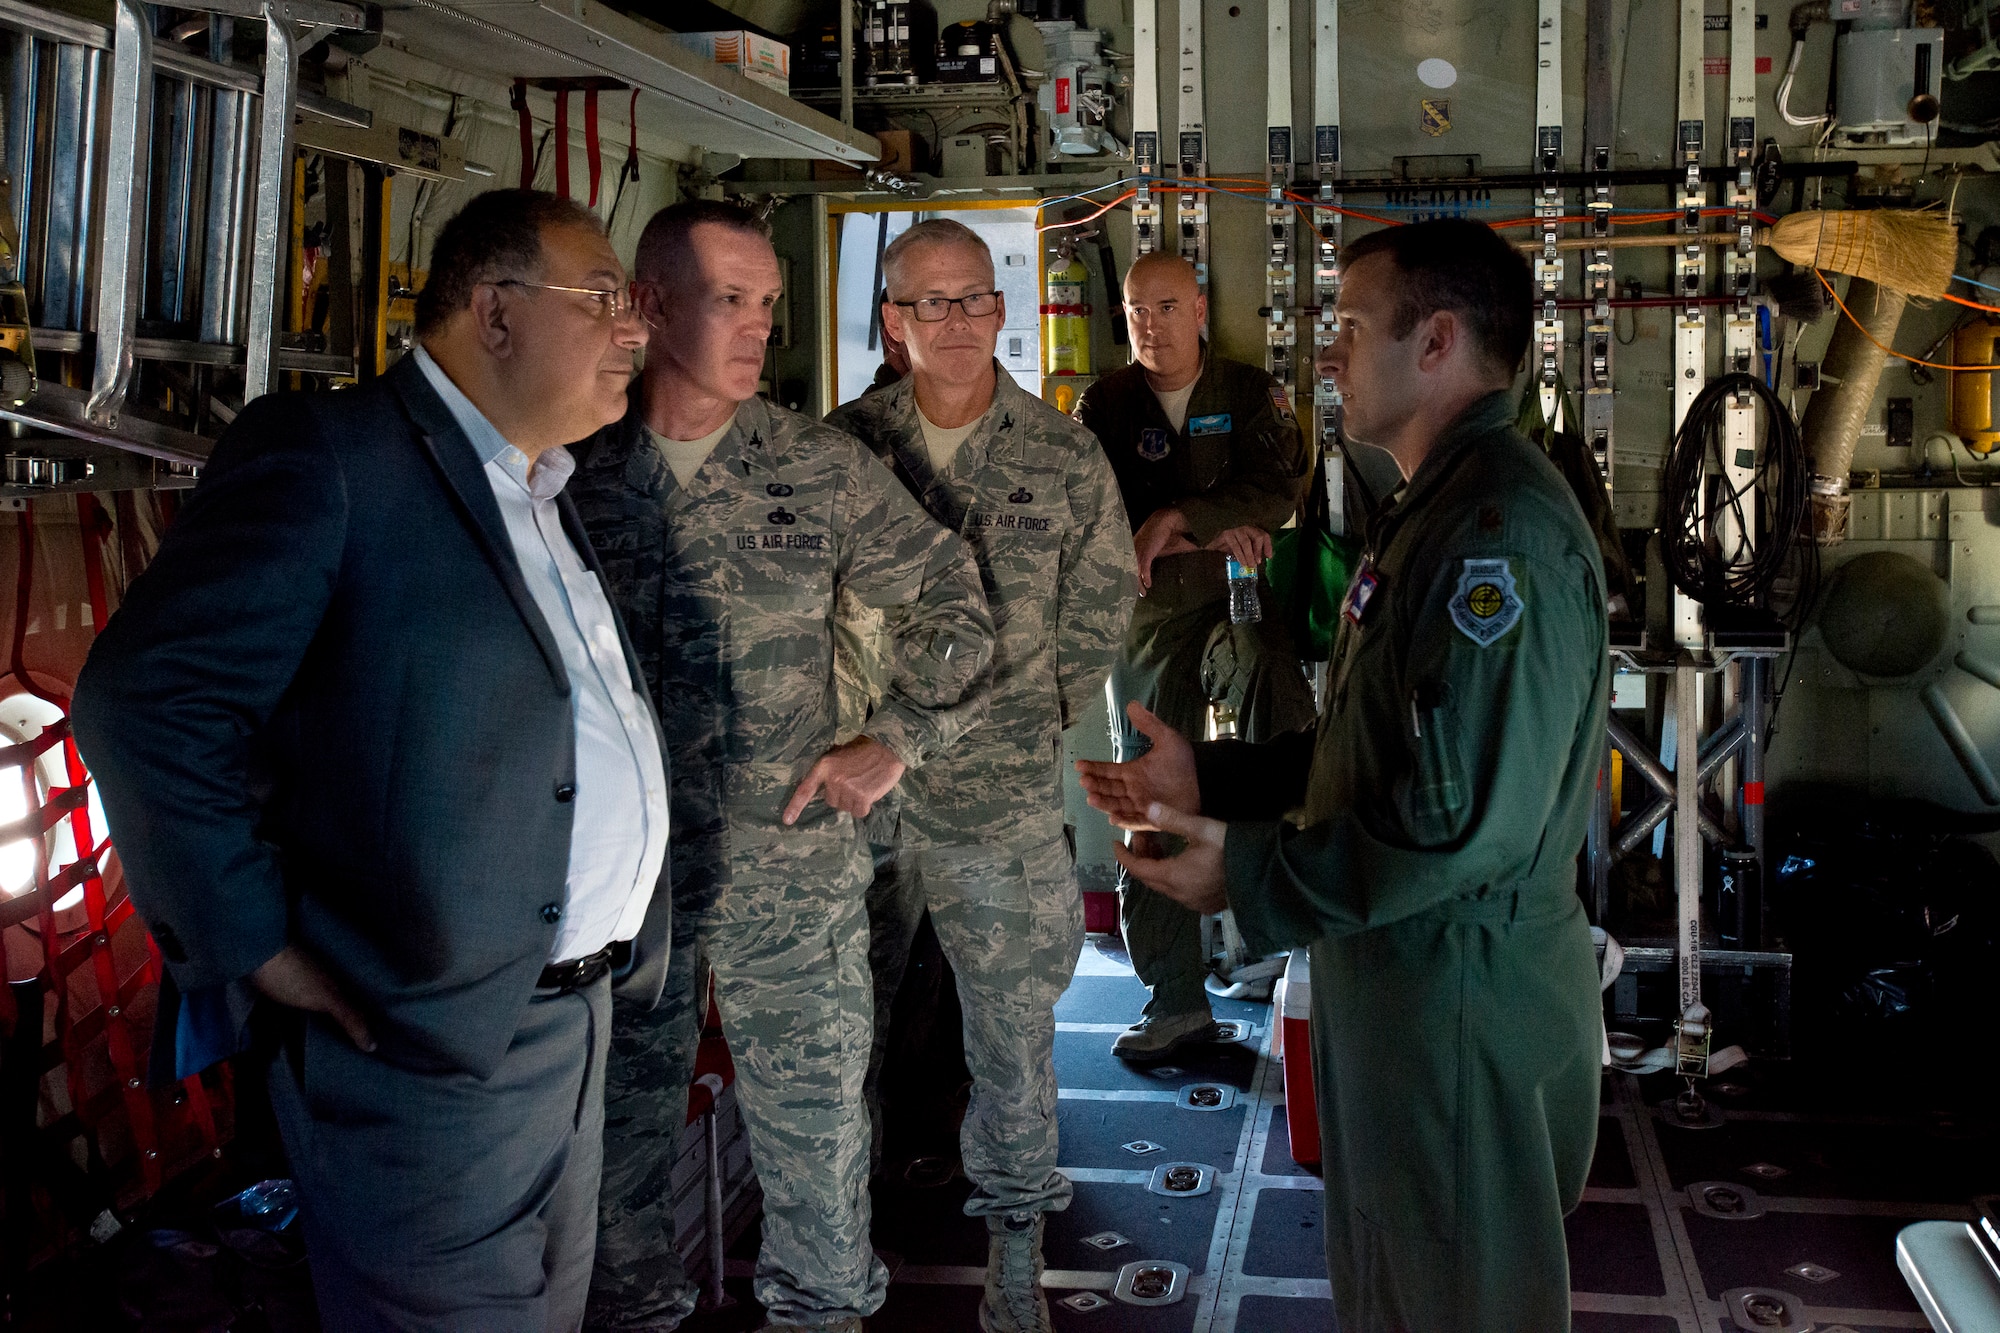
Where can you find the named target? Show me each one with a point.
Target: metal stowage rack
(157, 181)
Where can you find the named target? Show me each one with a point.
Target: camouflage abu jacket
(729, 588)
(1033, 494)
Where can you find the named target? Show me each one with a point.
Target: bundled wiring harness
(1769, 508)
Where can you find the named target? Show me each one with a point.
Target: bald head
(1165, 308)
(1161, 272)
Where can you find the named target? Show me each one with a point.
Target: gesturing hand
(1164, 533)
(1164, 773)
(1194, 878)
(295, 978)
(854, 776)
(1249, 544)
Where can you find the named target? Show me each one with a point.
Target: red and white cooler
(1292, 1044)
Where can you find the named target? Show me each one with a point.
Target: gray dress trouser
(447, 1203)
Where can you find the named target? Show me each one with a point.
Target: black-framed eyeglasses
(936, 309)
(606, 303)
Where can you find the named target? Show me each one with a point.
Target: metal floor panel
(1092, 1132)
(1287, 1234)
(1170, 1230)
(1611, 1167)
(1084, 1060)
(1862, 1250)
(1612, 1249)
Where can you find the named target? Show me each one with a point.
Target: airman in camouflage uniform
(980, 840)
(729, 579)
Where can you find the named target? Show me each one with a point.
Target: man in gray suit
(379, 760)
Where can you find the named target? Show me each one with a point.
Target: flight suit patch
(1281, 403)
(1216, 423)
(1486, 605)
(1359, 593)
(1153, 444)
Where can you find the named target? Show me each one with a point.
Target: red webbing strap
(562, 142)
(593, 154)
(127, 1059)
(519, 101)
(96, 528)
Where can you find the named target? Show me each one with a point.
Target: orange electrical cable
(1901, 356)
(1960, 300)
(1058, 226)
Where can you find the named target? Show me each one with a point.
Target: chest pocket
(1017, 535)
(774, 599)
(1438, 801)
(1208, 442)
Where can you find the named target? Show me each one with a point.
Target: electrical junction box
(964, 157)
(1882, 71)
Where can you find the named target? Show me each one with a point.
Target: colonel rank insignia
(1486, 604)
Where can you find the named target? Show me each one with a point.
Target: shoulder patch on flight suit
(1153, 444)
(1216, 423)
(1486, 605)
(1281, 403)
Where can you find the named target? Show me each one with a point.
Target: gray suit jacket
(330, 713)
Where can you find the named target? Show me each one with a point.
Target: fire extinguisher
(1065, 315)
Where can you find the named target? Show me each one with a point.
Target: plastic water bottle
(1244, 606)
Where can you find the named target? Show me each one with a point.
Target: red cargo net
(90, 947)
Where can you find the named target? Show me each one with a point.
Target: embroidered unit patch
(1486, 605)
(1153, 444)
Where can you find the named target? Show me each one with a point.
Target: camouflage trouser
(1011, 923)
(1173, 659)
(794, 991)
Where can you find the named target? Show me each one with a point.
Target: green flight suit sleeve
(1092, 412)
(1248, 780)
(1267, 475)
(1473, 772)
(937, 633)
(1097, 583)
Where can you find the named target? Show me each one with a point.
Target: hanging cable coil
(1768, 508)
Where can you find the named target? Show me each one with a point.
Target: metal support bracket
(128, 161)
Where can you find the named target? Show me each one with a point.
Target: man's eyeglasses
(936, 309)
(606, 303)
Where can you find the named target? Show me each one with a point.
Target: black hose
(1770, 507)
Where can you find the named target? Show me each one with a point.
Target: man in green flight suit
(980, 839)
(1445, 794)
(1210, 465)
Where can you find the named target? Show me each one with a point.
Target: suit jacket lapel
(465, 478)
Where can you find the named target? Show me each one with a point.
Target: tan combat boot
(1014, 1301)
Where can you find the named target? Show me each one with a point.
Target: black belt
(580, 972)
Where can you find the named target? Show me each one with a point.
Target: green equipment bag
(1309, 570)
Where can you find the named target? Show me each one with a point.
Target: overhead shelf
(698, 101)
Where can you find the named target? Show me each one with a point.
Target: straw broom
(1901, 249)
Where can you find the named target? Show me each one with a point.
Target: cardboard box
(765, 59)
(900, 155)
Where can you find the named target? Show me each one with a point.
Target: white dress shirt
(619, 841)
